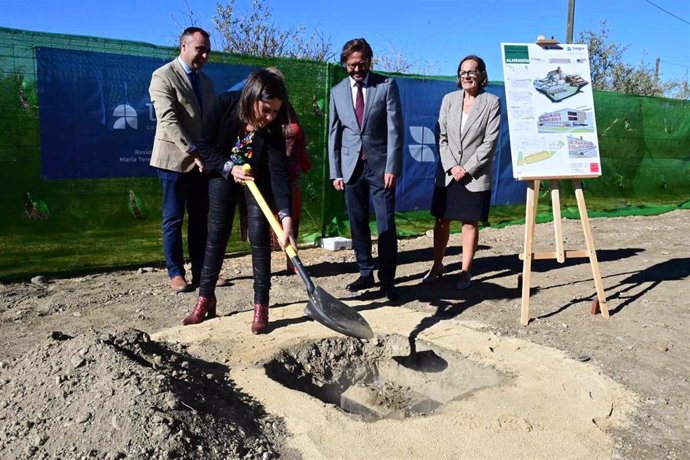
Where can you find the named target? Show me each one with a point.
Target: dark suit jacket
(269, 162)
(381, 135)
(178, 116)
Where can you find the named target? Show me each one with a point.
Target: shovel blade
(334, 314)
(322, 306)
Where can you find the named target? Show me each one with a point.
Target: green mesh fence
(68, 226)
(58, 226)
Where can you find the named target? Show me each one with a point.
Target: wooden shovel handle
(268, 212)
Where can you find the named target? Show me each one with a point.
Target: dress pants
(223, 197)
(184, 191)
(365, 182)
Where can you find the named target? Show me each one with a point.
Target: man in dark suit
(365, 143)
(181, 93)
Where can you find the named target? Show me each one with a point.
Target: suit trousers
(365, 182)
(184, 191)
(223, 197)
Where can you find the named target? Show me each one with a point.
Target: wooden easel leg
(594, 263)
(530, 224)
(557, 224)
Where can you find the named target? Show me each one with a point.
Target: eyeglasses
(469, 74)
(360, 65)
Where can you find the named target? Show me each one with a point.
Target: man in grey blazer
(180, 94)
(365, 143)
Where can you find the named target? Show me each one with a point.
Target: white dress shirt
(353, 89)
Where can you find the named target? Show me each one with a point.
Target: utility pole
(656, 69)
(571, 21)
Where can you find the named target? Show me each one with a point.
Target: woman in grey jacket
(469, 123)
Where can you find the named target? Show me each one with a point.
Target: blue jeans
(184, 191)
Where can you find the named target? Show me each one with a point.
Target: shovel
(322, 306)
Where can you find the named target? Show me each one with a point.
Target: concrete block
(336, 243)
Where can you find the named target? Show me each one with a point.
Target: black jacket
(269, 161)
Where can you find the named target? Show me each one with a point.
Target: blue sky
(433, 34)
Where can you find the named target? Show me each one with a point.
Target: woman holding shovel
(245, 128)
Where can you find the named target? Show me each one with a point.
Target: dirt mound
(124, 396)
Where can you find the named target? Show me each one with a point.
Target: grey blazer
(474, 149)
(381, 135)
(178, 116)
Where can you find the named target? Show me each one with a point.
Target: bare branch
(253, 32)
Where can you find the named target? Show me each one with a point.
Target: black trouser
(363, 184)
(223, 195)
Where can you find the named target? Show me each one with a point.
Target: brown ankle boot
(205, 307)
(260, 323)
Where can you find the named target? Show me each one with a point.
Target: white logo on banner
(126, 116)
(423, 150)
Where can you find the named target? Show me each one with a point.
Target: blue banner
(421, 102)
(97, 121)
(96, 116)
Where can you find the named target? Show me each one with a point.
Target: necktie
(359, 112)
(196, 86)
(359, 105)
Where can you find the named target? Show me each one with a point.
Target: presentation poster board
(550, 104)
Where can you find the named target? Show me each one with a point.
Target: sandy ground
(580, 386)
(546, 410)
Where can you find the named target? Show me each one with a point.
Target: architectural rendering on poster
(557, 85)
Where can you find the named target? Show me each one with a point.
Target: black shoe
(363, 282)
(391, 292)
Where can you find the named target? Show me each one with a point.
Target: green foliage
(611, 73)
(604, 57)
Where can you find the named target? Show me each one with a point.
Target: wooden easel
(599, 303)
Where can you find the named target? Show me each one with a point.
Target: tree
(638, 80)
(611, 73)
(604, 57)
(253, 32)
(395, 61)
(392, 63)
(679, 89)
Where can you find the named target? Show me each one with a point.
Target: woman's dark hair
(482, 78)
(356, 45)
(261, 85)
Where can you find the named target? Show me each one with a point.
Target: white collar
(184, 65)
(353, 83)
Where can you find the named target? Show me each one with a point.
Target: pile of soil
(121, 395)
